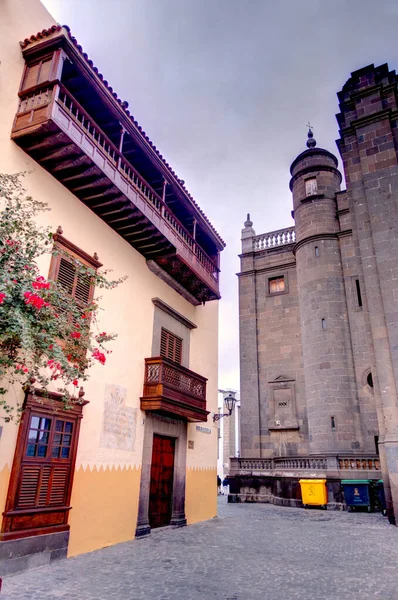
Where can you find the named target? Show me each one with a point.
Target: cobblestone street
(250, 552)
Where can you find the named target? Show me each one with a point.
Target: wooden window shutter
(66, 275)
(77, 285)
(170, 346)
(45, 70)
(42, 486)
(31, 76)
(42, 473)
(37, 73)
(63, 269)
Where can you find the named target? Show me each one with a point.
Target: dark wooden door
(161, 489)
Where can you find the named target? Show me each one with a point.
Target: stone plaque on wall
(282, 404)
(119, 420)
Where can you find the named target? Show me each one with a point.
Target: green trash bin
(357, 493)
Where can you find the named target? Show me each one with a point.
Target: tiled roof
(47, 32)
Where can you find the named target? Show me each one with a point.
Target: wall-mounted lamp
(229, 402)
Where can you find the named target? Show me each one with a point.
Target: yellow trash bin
(314, 492)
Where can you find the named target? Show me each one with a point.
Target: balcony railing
(75, 110)
(266, 241)
(171, 388)
(325, 464)
(53, 102)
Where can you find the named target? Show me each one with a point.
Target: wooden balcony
(53, 128)
(173, 389)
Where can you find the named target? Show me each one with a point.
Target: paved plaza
(250, 552)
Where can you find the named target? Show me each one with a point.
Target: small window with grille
(170, 346)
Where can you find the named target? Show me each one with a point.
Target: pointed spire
(248, 234)
(311, 142)
(248, 222)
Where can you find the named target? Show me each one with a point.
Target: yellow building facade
(144, 401)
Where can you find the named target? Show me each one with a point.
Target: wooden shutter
(31, 77)
(170, 346)
(42, 473)
(66, 275)
(59, 485)
(83, 289)
(77, 285)
(30, 477)
(45, 70)
(42, 486)
(38, 73)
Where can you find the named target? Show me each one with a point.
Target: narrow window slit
(358, 290)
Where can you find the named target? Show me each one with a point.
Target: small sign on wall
(203, 429)
(191, 444)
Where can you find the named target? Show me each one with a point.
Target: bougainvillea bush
(46, 337)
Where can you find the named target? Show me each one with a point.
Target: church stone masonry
(318, 315)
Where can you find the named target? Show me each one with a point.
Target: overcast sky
(224, 88)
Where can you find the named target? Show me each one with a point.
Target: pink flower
(100, 356)
(40, 284)
(75, 382)
(35, 300)
(76, 335)
(2, 296)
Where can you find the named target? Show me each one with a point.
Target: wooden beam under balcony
(173, 389)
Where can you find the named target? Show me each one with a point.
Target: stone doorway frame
(177, 429)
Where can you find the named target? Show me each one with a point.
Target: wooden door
(161, 488)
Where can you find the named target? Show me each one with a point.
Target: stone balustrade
(267, 241)
(322, 464)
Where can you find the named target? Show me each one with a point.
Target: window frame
(67, 248)
(29, 521)
(277, 275)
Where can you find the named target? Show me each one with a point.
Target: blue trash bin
(357, 493)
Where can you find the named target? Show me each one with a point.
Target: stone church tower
(319, 314)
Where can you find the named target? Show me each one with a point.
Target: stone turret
(328, 363)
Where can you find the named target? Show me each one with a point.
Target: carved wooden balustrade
(320, 464)
(274, 239)
(54, 128)
(173, 389)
